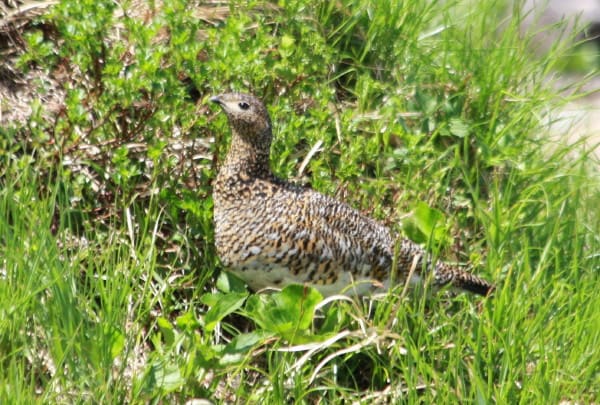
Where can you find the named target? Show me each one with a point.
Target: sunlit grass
(109, 286)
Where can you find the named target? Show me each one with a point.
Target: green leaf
(458, 128)
(287, 41)
(426, 224)
(303, 300)
(207, 355)
(167, 330)
(427, 218)
(334, 317)
(187, 321)
(117, 341)
(228, 282)
(288, 313)
(166, 376)
(221, 305)
(241, 345)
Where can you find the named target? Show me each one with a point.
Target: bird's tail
(445, 274)
(412, 254)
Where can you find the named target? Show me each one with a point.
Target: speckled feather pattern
(272, 233)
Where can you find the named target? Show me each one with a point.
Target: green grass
(430, 119)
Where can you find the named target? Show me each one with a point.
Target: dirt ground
(17, 88)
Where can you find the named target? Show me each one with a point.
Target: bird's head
(247, 115)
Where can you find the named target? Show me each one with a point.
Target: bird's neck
(247, 158)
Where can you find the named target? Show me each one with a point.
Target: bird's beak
(216, 99)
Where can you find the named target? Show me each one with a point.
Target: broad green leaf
(427, 218)
(166, 329)
(187, 321)
(458, 128)
(241, 345)
(303, 300)
(117, 340)
(166, 376)
(287, 41)
(221, 305)
(228, 282)
(288, 313)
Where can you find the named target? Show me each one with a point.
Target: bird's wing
(318, 229)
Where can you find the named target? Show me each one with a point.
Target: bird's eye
(244, 106)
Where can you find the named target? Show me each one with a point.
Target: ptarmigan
(272, 233)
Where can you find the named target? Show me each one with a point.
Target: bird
(271, 232)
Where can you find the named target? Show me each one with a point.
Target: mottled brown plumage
(272, 233)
